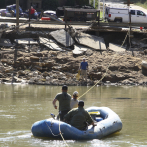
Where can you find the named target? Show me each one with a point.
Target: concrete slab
(62, 37)
(91, 41)
(50, 44)
(78, 49)
(116, 48)
(5, 42)
(26, 41)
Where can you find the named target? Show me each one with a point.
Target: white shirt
(73, 103)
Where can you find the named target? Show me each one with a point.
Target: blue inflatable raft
(108, 122)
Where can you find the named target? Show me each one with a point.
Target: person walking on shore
(84, 68)
(64, 102)
(74, 101)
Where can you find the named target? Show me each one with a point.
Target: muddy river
(22, 105)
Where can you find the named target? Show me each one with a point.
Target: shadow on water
(112, 135)
(122, 98)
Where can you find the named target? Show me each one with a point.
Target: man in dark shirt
(64, 102)
(79, 117)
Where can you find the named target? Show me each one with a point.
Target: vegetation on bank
(144, 5)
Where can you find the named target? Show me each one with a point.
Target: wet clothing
(73, 103)
(78, 117)
(64, 103)
(84, 65)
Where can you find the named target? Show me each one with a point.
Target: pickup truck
(122, 15)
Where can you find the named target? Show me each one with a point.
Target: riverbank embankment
(58, 68)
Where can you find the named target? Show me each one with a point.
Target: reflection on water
(22, 105)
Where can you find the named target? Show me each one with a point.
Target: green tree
(49, 4)
(96, 3)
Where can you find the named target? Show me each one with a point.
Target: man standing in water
(64, 102)
(84, 68)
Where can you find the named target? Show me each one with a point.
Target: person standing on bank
(64, 102)
(74, 101)
(79, 117)
(84, 68)
(32, 12)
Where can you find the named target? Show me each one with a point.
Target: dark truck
(78, 13)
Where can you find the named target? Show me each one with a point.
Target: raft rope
(106, 69)
(51, 130)
(61, 133)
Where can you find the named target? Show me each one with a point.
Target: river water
(22, 105)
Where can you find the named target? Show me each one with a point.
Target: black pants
(62, 114)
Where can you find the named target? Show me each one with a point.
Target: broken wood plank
(50, 44)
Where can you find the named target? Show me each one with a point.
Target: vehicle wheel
(118, 20)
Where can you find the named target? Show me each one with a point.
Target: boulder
(21, 73)
(9, 70)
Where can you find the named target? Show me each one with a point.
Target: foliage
(144, 5)
(49, 4)
(96, 3)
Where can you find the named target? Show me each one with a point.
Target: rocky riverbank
(47, 62)
(47, 67)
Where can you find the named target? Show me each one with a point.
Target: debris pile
(54, 59)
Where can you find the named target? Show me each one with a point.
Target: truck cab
(122, 15)
(138, 16)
